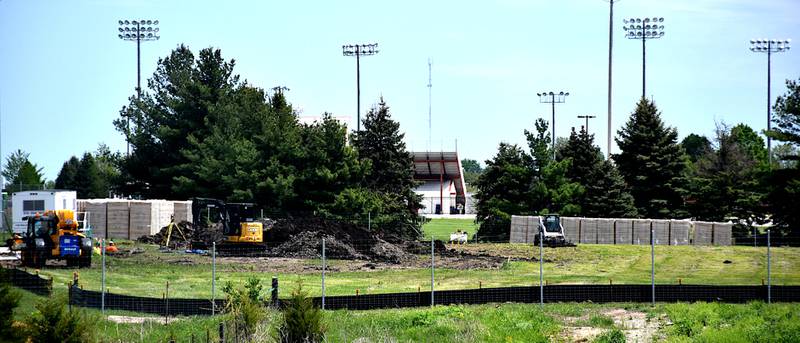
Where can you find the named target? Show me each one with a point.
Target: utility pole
(587, 121)
(553, 99)
(610, 45)
(429, 104)
(769, 46)
(358, 50)
(644, 29)
(138, 31)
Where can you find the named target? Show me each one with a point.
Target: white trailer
(29, 203)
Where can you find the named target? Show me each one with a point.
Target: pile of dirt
(183, 234)
(302, 238)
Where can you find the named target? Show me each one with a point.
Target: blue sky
(64, 74)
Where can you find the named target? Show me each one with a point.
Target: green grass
(190, 275)
(699, 322)
(441, 228)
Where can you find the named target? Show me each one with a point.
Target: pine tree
(784, 184)
(606, 193)
(391, 175)
(503, 191)
(551, 190)
(652, 163)
(88, 183)
(66, 177)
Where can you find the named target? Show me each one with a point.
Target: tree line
(726, 178)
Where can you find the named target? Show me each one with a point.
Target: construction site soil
(290, 239)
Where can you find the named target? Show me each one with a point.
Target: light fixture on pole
(769, 46)
(610, 45)
(359, 50)
(553, 98)
(587, 121)
(138, 31)
(643, 29)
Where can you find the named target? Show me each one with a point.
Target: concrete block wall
(118, 219)
(96, 211)
(623, 231)
(572, 229)
(182, 210)
(722, 233)
(518, 229)
(605, 231)
(641, 231)
(703, 233)
(588, 231)
(679, 232)
(661, 231)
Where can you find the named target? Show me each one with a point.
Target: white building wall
(50, 199)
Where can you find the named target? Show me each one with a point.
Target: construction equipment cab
(550, 226)
(53, 235)
(238, 220)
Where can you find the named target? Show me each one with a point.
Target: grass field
(699, 322)
(190, 275)
(441, 228)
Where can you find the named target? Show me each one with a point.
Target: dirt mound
(183, 234)
(302, 238)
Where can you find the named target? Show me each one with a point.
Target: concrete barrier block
(518, 230)
(679, 232)
(702, 233)
(661, 231)
(571, 229)
(641, 231)
(623, 231)
(605, 231)
(588, 231)
(723, 233)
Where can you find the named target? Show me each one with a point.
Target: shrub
(52, 322)
(9, 299)
(245, 308)
(611, 336)
(302, 321)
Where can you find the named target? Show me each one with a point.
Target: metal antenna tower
(429, 103)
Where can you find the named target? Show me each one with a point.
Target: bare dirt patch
(636, 325)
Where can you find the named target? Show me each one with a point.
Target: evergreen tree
(606, 194)
(29, 177)
(784, 184)
(551, 190)
(652, 163)
(503, 191)
(66, 177)
(88, 182)
(539, 145)
(696, 146)
(380, 144)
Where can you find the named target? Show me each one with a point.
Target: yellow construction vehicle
(53, 235)
(244, 235)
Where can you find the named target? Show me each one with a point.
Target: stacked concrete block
(96, 216)
(148, 217)
(605, 231)
(722, 233)
(588, 231)
(118, 219)
(183, 211)
(519, 229)
(623, 231)
(661, 231)
(641, 231)
(572, 228)
(532, 225)
(703, 233)
(679, 232)
(166, 210)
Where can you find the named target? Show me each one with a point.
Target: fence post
(541, 266)
(323, 273)
(103, 277)
(369, 221)
(432, 271)
(213, 278)
(222, 331)
(653, 263)
(769, 270)
(274, 297)
(166, 308)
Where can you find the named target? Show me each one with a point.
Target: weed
(52, 322)
(302, 321)
(611, 336)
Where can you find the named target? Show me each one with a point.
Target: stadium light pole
(587, 121)
(138, 31)
(553, 99)
(358, 50)
(644, 29)
(610, 45)
(769, 46)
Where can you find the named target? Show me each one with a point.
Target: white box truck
(28, 203)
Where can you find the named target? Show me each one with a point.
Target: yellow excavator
(244, 235)
(53, 235)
